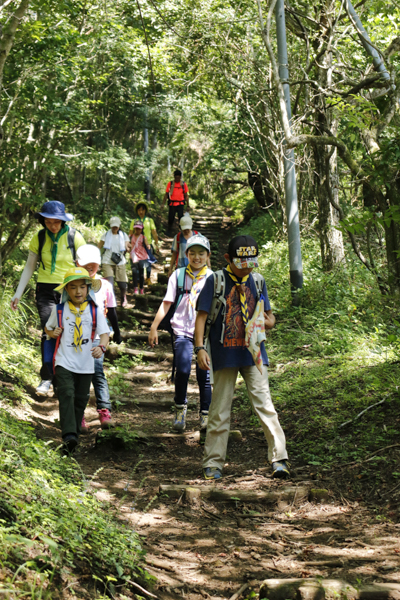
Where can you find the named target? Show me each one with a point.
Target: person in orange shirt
(177, 194)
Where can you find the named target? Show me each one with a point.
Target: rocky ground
(213, 540)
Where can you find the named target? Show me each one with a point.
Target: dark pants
(173, 210)
(183, 347)
(138, 272)
(46, 298)
(73, 396)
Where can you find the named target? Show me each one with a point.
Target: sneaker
(280, 469)
(148, 281)
(212, 473)
(124, 302)
(44, 388)
(141, 291)
(70, 443)
(203, 421)
(136, 291)
(105, 418)
(180, 418)
(84, 426)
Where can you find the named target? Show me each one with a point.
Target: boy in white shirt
(74, 357)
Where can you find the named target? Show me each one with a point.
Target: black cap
(243, 251)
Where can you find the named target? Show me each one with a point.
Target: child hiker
(149, 230)
(236, 346)
(139, 256)
(74, 359)
(178, 248)
(183, 289)
(89, 257)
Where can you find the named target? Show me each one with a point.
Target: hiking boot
(203, 421)
(84, 426)
(280, 469)
(212, 473)
(180, 417)
(148, 281)
(70, 443)
(136, 291)
(44, 388)
(124, 302)
(141, 291)
(105, 418)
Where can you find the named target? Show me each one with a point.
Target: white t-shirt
(115, 246)
(67, 357)
(105, 297)
(180, 322)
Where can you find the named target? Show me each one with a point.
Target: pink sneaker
(84, 426)
(141, 291)
(105, 418)
(135, 291)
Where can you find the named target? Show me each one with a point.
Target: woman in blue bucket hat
(54, 247)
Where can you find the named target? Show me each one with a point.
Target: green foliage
(50, 522)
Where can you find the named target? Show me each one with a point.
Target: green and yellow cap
(79, 273)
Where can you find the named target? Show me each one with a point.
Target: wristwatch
(198, 348)
(103, 348)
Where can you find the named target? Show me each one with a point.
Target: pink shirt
(105, 297)
(138, 251)
(180, 322)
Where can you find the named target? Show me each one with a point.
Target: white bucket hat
(88, 254)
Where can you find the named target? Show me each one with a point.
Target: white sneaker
(44, 388)
(203, 421)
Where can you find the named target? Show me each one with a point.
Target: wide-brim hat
(54, 210)
(142, 203)
(79, 273)
(198, 240)
(88, 254)
(243, 252)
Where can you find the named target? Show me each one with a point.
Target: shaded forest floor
(338, 516)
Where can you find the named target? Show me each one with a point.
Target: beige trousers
(219, 415)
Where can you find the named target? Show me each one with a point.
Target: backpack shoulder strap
(71, 242)
(60, 312)
(93, 310)
(259, 282)
(180, 287)
(41, 239)
(218, 302)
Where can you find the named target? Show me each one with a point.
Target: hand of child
(269, 320)
(54, 333)
(97, 352)
(153, 337)
(14, 303)
(203, 360)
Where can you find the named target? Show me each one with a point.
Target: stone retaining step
(114, 352)
(326, 589)
(290, 494)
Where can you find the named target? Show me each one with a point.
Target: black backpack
(71, 243)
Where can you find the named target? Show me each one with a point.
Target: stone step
(293, 495)
(114, 352)
(329, 589)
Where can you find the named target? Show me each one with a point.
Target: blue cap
(54, 210)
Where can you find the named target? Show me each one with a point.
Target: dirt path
(203, 539)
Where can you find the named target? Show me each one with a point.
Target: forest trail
(206, 539)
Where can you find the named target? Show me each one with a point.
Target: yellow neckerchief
(242, 293)
(194, 291)
(78, 312)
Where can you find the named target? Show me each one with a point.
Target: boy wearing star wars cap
(184, 286)
(76, 325)
(244, 300)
